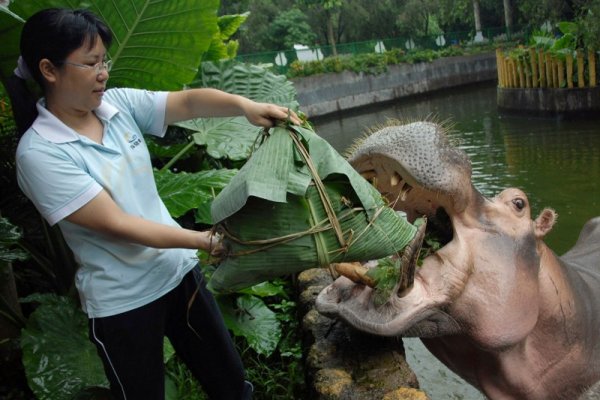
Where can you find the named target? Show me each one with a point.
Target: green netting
(276, 220)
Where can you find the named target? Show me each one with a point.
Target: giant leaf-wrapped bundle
(298, 204)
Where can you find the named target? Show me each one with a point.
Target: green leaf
(220, 48)
(229, 24)
(250, 81)
(567, 27)
(9, 237)
(233, 138)
(230, 138)
(10, 33)
(266, 289)
(157, 45)
(251, 318)
(9, 233)
(58, 357)
(185, 191)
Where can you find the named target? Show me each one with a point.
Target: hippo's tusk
(409, 259)
(405, 191)
(355, 271)
(395, 179)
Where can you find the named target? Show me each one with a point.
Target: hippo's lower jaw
(413, 318)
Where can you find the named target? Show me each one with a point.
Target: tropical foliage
(361, 20)
(160, 46)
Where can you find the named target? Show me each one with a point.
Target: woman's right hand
(211, 242)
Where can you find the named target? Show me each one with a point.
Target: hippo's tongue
(359, 273)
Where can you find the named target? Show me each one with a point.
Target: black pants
(131, 345)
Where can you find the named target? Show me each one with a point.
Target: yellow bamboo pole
(580, 78)
(560, 67)
(499, 67)
(554, 73)
(534, 68)
(569, 71)
(521, 73)
(592, 67)
(548, 70)
(542, 68)
(513, 73)
(506, 72)
(526, 72)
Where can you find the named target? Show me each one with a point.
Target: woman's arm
(103, 215)
(196, 103)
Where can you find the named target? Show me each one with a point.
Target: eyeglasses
(98, 67)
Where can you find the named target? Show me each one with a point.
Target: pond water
(555, 161)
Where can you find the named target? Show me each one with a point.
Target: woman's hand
(265, 114)
(211, 243)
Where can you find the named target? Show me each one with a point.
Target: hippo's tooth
(405, 191)
(409, 259)
(355, 271)
(395, 179)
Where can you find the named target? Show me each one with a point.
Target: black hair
(52, 33)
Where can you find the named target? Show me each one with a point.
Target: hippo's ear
(544, 222)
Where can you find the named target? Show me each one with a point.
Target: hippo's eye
(519, 203)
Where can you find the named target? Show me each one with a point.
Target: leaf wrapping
(275, 222)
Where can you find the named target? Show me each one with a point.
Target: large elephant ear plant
(157, 45)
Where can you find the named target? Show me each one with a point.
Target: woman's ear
(48, 70)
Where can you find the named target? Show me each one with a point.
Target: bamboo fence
(535, 68)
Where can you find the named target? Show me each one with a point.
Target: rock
(342, 363)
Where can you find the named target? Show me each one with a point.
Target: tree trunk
(477, 14)
(330, 33)
(508, 16)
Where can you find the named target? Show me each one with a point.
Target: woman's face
(78, 85)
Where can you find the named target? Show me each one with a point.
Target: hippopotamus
(494, 303)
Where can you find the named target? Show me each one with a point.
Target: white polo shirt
(60, 171)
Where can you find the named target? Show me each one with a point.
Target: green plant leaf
(221, 48)
(567, 27)
(10, 33)
(185, 191)
(9, 237)
(58, 357)
(233, 138)
(266, 289)
(249, 317)
(247, 80)
(158, 45)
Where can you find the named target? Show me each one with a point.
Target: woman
(83, 162)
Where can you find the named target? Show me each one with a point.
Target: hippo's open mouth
(420, 173)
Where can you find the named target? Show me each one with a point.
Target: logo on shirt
(134, 141)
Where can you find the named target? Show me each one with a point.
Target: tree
(289, 28)
(331, 8)
(416, 16)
